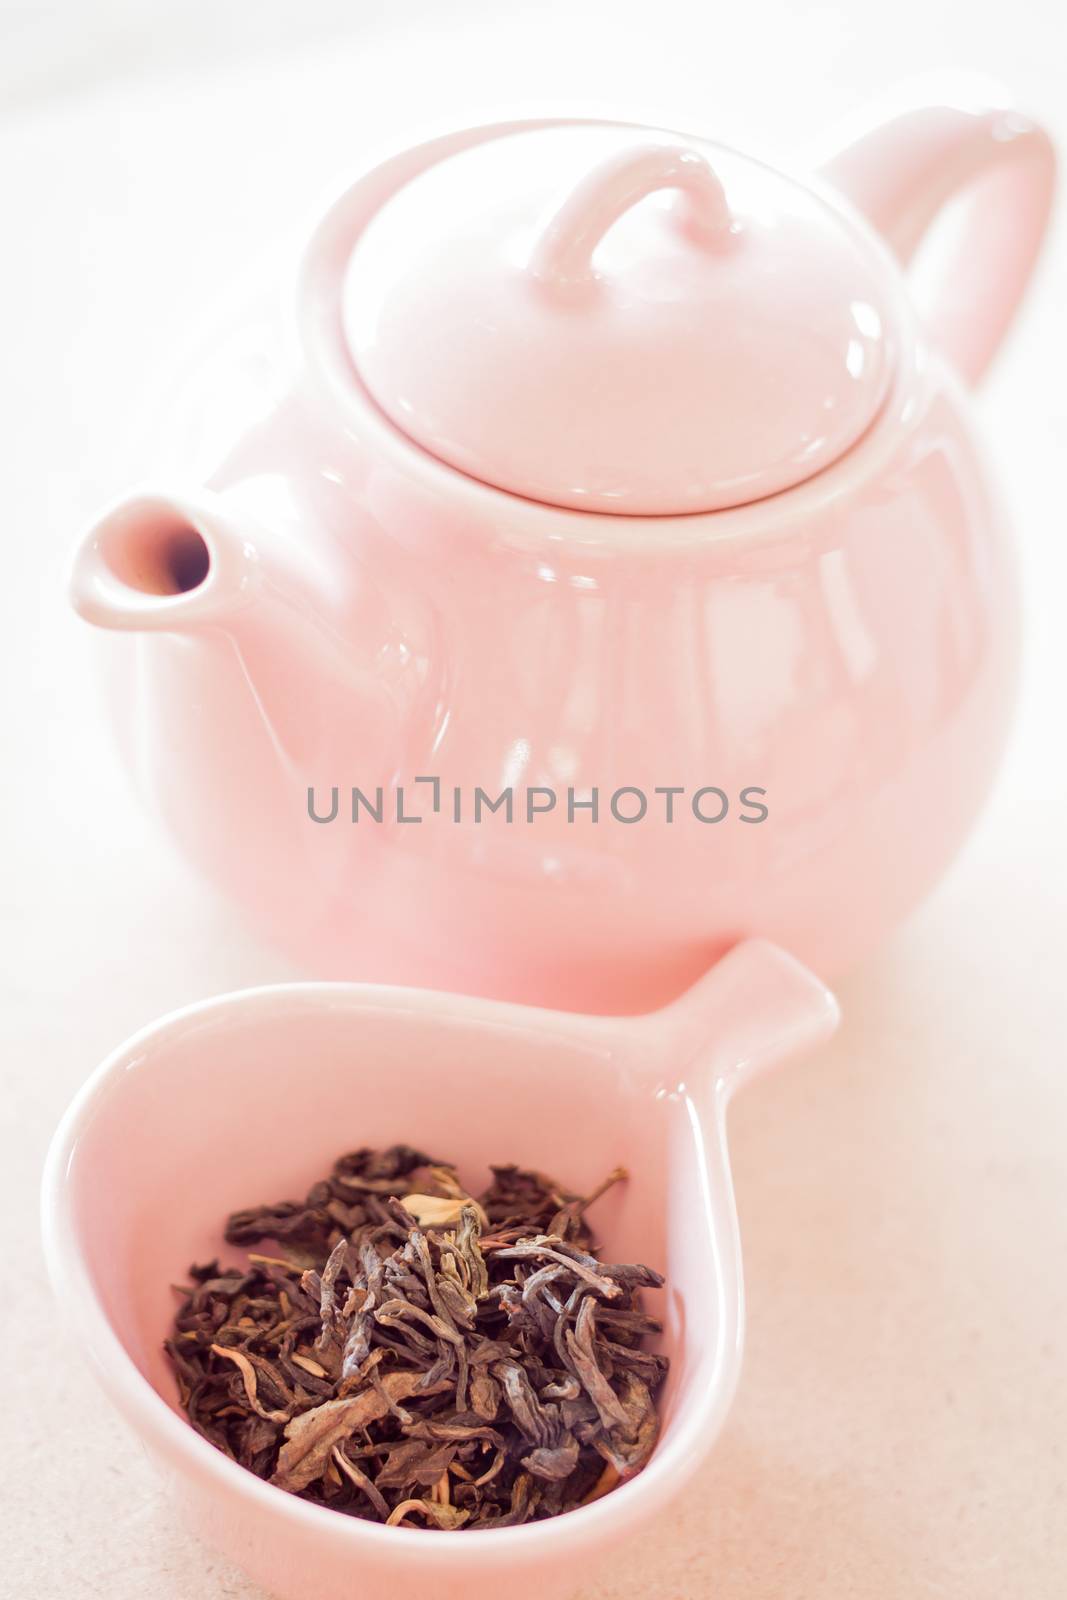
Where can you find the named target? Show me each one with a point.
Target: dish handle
(755, 1009)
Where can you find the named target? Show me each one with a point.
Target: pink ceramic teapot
(598, 567)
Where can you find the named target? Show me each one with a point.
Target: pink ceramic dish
(190, 1118)
(589, 457)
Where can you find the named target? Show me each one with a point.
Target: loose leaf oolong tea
(414, 1356)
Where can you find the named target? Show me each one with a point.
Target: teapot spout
(289, 645)
(162, 561)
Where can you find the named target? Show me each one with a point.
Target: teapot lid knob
(563, 254)
(617, 320)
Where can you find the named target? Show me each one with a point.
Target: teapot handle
(973, 147)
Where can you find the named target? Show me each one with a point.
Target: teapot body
(786, 716)
(450, 736)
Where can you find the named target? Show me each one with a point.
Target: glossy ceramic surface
(137, 1180)
(338, 607)
(605, 319)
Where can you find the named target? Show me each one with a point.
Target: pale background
(901, 1422)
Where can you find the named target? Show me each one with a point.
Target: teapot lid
(599, 318)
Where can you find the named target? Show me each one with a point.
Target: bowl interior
(250, 1099)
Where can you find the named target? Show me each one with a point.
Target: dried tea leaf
(607, 1481)
(581, 1345)
(363, 1483)
(538, 1423)
(628, 1447)
(416, 1357)
(307, 1365)
(248, 1373)
(415, 1462)
(554, 1464)
(440, 1211)
(440, 1515)
(311, 1437)
(546, 1247)
(484, 1395)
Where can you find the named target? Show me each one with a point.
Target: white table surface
(901, 1421)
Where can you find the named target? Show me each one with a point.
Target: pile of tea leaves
(411, 1355)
